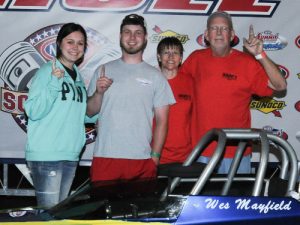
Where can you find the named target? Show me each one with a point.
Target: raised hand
(103, 82)
(59, 73)
(102, 72)
(253, 44)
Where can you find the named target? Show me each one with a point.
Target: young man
(127, 93)
(225, 80)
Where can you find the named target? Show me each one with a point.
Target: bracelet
(155, 155)
(261, 55)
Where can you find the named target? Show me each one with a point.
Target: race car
(190, 193)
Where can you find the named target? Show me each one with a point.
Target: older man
(225, 80)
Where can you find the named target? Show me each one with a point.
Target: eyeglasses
(171, 53)
(221, 29)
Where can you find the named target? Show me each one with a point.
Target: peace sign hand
(253, 44)
(103, 82)
(59, 73)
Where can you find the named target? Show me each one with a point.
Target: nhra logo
(297, 106)
(272, 41)
(297, 41)
(284, 71)
(155, 38)
(20, 61)
(268, 105)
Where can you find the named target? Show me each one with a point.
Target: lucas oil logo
(20, 61)
(155, 38)
(268, 105)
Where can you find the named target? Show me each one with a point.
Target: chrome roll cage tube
(288, 159)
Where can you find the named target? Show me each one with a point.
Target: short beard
(131, 51)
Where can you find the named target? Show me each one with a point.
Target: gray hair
(220, 14)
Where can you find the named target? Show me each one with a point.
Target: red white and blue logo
(297, 41)
(272, 41)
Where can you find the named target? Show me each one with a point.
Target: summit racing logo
(155, 38)
(272, 41)
(20, 61)
(268, 105)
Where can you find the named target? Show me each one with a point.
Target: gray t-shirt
(126, 115)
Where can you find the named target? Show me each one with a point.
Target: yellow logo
(183, 38)
(267, 105)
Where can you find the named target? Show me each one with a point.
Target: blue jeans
(52, 180)
(224, 165)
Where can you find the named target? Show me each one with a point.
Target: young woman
(56, 108)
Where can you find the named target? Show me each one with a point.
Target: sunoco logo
(268, 105)
(272, 41)
(155, 38)
(20, 61)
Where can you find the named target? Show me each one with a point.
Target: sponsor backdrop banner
(29, 29)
